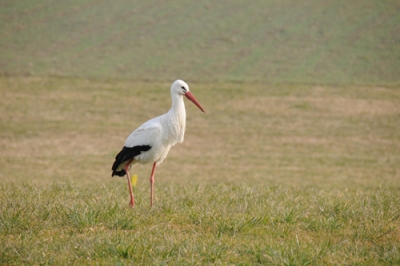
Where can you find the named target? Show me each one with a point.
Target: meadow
(271, 174)
(295, 162)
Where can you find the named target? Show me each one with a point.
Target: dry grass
(283, 135)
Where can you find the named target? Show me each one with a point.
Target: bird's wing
(140, 140)
(144, 135)
(125, 155)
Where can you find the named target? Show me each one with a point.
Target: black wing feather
(126, 154)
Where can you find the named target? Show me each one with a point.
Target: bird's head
(181, 88)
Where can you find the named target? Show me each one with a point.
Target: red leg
(132, 203)
(152, 184)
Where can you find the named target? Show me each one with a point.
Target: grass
(67, 223)
(317, 42)
(280, 175)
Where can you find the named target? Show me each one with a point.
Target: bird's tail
(118, 173)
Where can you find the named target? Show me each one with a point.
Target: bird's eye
(183, 88)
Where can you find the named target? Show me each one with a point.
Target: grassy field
(315, 41)
(271, 174)
(296, 161)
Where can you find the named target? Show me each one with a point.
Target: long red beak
(190, 96)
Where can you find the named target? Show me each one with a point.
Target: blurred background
(301, 93)
(313, 41)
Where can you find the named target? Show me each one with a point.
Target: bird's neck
(177, 115)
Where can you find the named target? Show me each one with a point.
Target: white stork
(150, 143)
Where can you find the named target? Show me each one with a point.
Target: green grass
(279, 175)
(67, 223)
(318, 42)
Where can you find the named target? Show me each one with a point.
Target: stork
(151, 142)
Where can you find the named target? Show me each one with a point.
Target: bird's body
(158, 134)
(151, 142)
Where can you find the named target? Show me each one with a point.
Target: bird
(151, 142)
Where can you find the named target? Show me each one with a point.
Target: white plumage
(151, 142)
